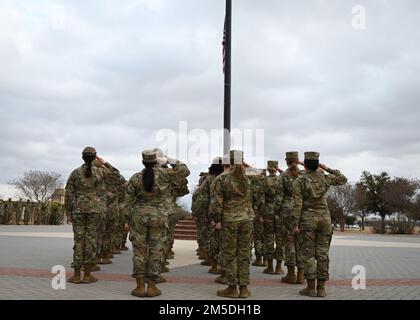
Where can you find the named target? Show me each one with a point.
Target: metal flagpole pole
(227, 69)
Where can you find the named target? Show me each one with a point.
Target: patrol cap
(272, 164)
(236, 157)
(159, 152)
(292, 155)
(217, 160)
(225, 159)
(149, 156)
(89, 150)
(311, 155)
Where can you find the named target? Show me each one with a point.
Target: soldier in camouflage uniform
(121, 198)
(196, 214)
(147, 217)
(258, 184)
(231, 207)
(273, 232)
(84, 202)
(28, 212)
(211, 244)
(283, 207)
(312, 221)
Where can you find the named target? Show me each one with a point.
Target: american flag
(224, 46)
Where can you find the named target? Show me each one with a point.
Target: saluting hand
(218, 226)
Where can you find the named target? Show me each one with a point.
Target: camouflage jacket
(203, 199)
(228, 202)
(258, 182)
(271, 186)
(283, 202)
(85, 195)
(159, 202)
(310, 194)
(178, 174)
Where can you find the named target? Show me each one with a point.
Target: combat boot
(110, 256)
(291, 275)
(244, 292)
(140, 290)
(152, 290)
(76, 276)
(94, 267)
(269, 269)
(164, 269)
(161, 279)
(87, 277)
(258, 261)
(264, 264)
(278, 270)
(213, 268)
(201, 254)
(106, 260)
(309, 290)
(320, 289)
(300, 276)
(116, 251)
(222, 279)
(170, 255)
(229, 292)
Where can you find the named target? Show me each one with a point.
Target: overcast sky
(111, 74)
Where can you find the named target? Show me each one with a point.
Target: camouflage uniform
(28, 212)
(258, 183)
(147, 216)
(202, 231)
(312, 216)
(231, 205)
(273, 230)
(284, 207)
(84, 202)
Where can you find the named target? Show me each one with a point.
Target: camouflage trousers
(110, 231)
(85, 226)
(170, 233)
(117, 236)
(101, 231)
(215, 247)
(314, 241)
(148, 236)
(291, 248)
(236, 251)
(258, 237)
(273, 238)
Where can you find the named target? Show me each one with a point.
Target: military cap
(217, 160)
(311, 155)
(272, 164)
(292, 155)
(159, 152)
(225, 159)
(236, 156)
(89, 150)
(149, 156)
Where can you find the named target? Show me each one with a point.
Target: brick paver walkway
(29, 252)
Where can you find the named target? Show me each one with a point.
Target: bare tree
(37, 185)
(361, 202)
(343, 202)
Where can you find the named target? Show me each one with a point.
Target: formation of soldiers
(103, 208)
(283, 216)
(27, 212)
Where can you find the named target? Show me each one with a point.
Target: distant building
(58, 196)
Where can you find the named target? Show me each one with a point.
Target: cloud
(111, 75)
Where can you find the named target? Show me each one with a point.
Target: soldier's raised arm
(297, 197)
(335, 177)
(179, 167)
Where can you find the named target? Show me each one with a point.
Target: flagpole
(227, 98)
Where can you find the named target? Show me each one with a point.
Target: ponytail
(148, 176)
(88, 158)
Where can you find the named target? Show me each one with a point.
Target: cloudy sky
(112, 74)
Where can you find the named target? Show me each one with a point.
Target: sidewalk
(29, 252)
